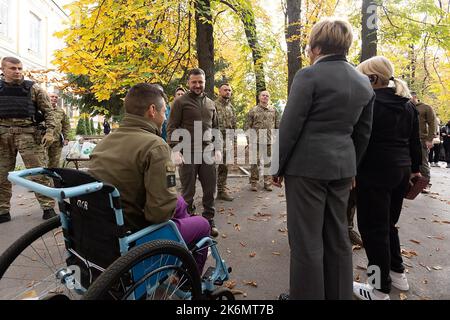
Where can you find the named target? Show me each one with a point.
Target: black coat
(394, 141)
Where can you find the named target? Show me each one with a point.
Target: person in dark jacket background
(392, 158)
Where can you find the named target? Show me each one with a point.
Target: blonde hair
(383, 68)
(332, 36)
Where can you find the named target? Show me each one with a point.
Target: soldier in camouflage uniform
(227, 120)
(263, 116)
(20, 101)
(60, 132)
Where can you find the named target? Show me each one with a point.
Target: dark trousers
(206, 174)
(321, 253)
(433, 156)
(351, 209)
(379, 200)
(447, 151)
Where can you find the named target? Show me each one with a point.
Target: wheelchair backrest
(92, 230)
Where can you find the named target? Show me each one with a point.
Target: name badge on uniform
(170, 175)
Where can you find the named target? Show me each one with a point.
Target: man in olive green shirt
(427, 129)
(137, 161)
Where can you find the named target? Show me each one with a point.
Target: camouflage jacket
(62, 124)
(225, 114)
(40, 98)
(260, 117)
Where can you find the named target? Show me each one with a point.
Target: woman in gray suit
(324, 131)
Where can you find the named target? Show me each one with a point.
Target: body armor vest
(16, 102)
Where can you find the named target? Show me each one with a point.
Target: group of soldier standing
(31, 124)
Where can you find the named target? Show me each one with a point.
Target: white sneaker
(364, 291)
(399, 280)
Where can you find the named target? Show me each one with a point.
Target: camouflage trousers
(255, 168)
(32, 153)
(222, 173)
(54, 155)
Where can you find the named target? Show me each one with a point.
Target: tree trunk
(248, 19)
(293, 36)
(369, 30)
(205, 43)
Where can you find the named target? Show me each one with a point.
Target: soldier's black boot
(48, 213)
(214, 231)
(5, 217)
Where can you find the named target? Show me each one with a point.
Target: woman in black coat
(391, 160)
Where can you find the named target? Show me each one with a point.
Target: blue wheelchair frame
(163, 231)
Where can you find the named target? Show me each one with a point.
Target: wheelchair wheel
(158, 270)
(28, 267)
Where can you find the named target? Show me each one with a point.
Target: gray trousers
(321, 253)
(207, 176)
(425, 167)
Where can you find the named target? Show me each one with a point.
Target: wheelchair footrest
(208, 274)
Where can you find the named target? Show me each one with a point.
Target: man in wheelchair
(136, 160)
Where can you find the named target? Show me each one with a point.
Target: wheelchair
(87, 252)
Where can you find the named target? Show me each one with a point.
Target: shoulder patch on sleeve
(170, 175)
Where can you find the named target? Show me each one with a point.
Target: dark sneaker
(5, 217)
(268, 187)
(223, 195)
(48, 213)
(283, 296)
(355, 239)
(214, 231)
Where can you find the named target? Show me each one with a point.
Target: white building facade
(27, 28)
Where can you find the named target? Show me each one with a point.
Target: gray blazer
(326, 124)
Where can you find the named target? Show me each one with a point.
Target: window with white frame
(4, 17)
(35, 33)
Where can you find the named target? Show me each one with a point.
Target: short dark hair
(196, 72)
(141, 96)
(180, 88)
(224, 84)
(10, 60)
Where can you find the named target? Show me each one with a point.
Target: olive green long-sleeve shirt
(136, 160)
(427, 121)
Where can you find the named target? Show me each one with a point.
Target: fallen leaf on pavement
(221, 209)
(414, 241)
(283, 230)
(276, 253)
(237, 227)
(360, 267)
(281, 195)
(260, 214)
(273, 241)
(407, 264)
(250, 283)
(230, 284)
(436, 237)
(408, 253)
(252, 219)
(252, 254)
(243, 244)
(446, 222)
(425, 281)
(437, 268)
(228, 251)
(224, 235)
(403, 296)
(426, 267)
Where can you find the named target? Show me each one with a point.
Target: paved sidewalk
(253, 238)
